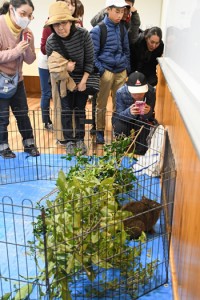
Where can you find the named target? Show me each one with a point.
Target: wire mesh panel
(27, 168)
(79, 247)
(102, 234)
(17, 267)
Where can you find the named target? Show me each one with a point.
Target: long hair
(74, 3)
(80, 8)
(15, 3)
(153, 31)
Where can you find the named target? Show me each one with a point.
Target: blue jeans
(18, 104)
(45, 95)
(74, 101)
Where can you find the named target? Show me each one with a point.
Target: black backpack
(103, 36)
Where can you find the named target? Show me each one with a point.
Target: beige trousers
(108, 82)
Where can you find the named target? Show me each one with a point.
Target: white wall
(181, 63)
(149, 10)
(40, 14)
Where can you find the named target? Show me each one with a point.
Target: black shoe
(93, 130)
(62, 143)
(32, 150)
(7, 153)
(140, 151)
(48, 126)
(100, 137)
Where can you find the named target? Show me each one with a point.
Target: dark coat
(143, 60)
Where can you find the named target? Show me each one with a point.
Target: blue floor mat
(27, 168)
(29, 193)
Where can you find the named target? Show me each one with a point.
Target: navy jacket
(115, 55)
(124, 101)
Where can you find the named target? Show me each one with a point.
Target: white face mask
(22, 22)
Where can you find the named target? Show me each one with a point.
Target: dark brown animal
(145, 215)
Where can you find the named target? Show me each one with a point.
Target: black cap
(137, 83)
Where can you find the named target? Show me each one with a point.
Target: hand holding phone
(140, 105)
(26, 37)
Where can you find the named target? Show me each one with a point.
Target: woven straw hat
(59, 12)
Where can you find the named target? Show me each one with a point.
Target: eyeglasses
(23, 14)
(62, 24)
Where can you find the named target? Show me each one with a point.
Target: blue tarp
(16, 231)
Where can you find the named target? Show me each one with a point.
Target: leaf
(106, 212)
(63, 248)
(95, 237)
(76, 220)
(6, 296)
(70, 264)
(61, 181)
(23, 292)
(107, 183)
(105, 265)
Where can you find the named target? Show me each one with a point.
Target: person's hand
(22, 46)
(81, 86)
(133, 9)
(147, 109)
(29, 37)
(71, 66)
(134, 110)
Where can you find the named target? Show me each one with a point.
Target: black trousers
(125, 127)
(74, 101)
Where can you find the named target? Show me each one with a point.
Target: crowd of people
(122, 55)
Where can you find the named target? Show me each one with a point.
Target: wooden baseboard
(173, 274)
(32, 84)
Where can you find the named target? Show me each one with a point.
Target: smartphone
(25, 36)
(141, 106)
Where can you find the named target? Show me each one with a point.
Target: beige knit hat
(59, 12)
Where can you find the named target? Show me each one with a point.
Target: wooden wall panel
(185, 228)
(32, 84)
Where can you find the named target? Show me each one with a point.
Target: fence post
(45, 250)
(34, 129)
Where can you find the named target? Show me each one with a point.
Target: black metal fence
(80, 241)
(57, 254)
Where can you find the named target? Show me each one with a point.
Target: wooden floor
(45, 140)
